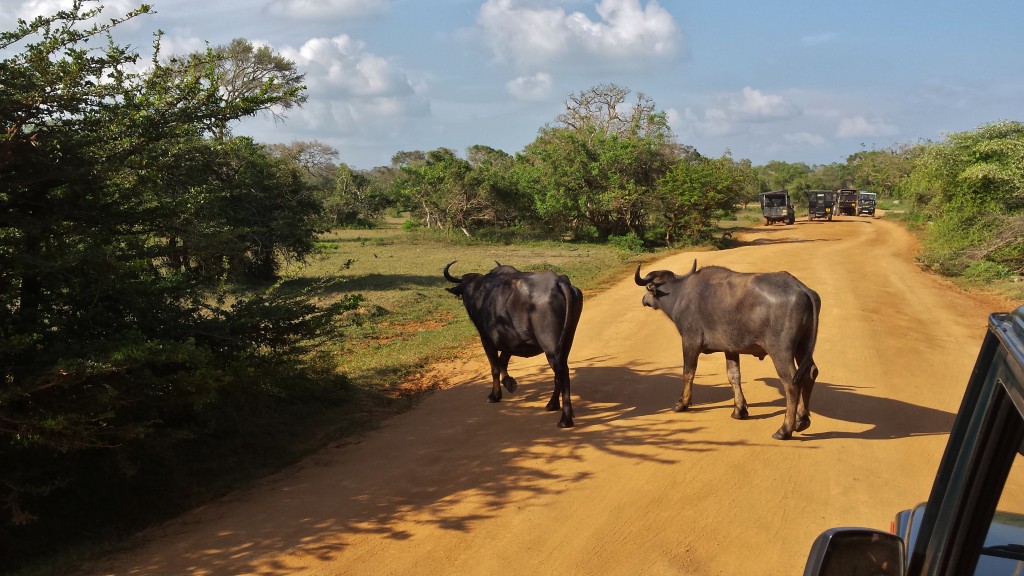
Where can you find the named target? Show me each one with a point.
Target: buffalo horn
(448, 276)
(694, 269)
(641, 281)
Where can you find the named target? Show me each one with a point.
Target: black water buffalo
(523, 314)
(718, 310)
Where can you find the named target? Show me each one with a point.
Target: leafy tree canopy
(123, 208)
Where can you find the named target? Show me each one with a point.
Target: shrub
(627, 243)
(985, 271)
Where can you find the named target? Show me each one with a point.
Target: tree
(975, 182)
(750, 189)
(359, 198)
(248, 74)
(600, 108)
(120, 212)
(270, 209)
(777, 175)
(494, 175)
(444, 195)
(316, 159)
(595, 174)
(882, 170)
(695, 195)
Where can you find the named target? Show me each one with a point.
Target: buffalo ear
(457, 290)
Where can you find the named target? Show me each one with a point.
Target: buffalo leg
(561, 369)
(803, 410)
(689, 371)
(787, 371)
(732, 367)
(508, 381)
(496, 369)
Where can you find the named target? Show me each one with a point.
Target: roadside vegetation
(183, 310)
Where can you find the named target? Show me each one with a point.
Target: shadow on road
(887, 418)
(767, 241)
(509, 453)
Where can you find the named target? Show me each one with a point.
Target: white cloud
(111, 8)
(675, 120)
(309, 9)
(530, 88)
(713, 122)
(28, 10)
(528, 37)
(804, 138)
(180, 45)
(342, 65)
(348, 84)
(757, 106)
(858, 126)
(730, 114)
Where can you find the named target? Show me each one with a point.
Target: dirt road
(459, 486)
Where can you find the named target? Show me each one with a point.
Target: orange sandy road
(459, 486)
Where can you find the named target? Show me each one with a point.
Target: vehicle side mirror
(856, 552)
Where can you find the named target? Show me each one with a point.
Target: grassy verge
(1010, 289)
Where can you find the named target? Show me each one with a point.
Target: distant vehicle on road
(973, 522)
(820, 204)
(846, 202)
(866, 202)
(776, 207)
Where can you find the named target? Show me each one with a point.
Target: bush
(985, 271)
(127, 429)
(628, 243)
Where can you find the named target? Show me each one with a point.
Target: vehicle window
(1004, 545)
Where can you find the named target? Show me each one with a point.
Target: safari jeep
(973, 521)
(866, 203)
(776, 207)
(820, 204)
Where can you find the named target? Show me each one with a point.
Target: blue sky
(793, 80)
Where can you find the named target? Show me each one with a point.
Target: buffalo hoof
(510, 384)
(565, 423)
(740, 413)
(491, 398)
(680, 407)
(803, 424)
(782, 434)
(555, 405)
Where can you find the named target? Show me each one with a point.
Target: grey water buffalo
(523, 314)
(718, 310)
